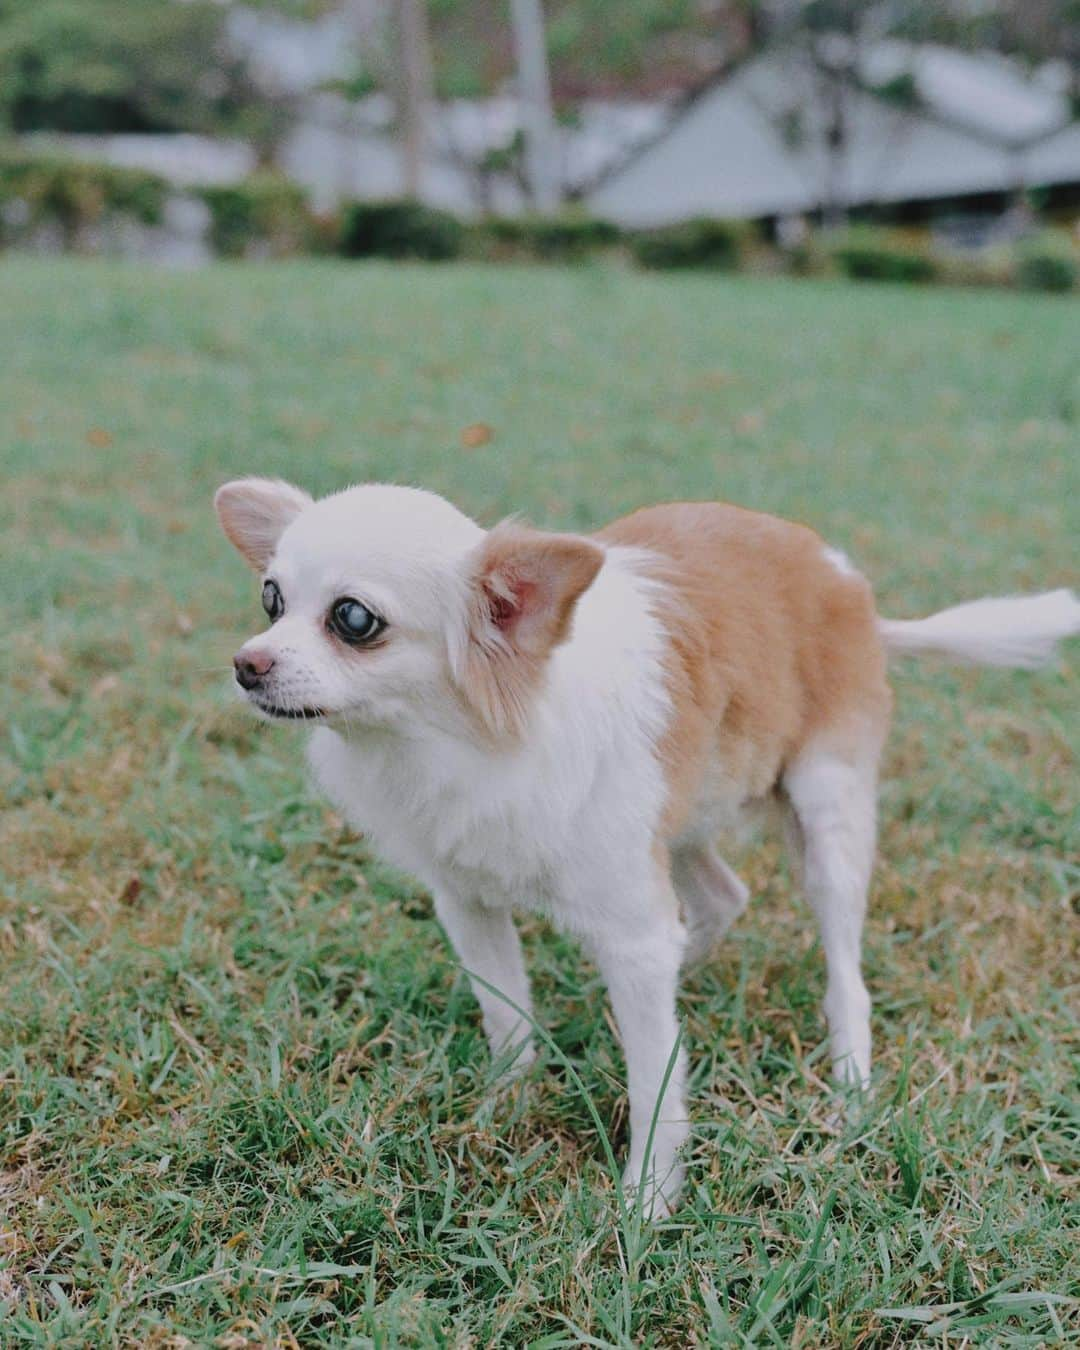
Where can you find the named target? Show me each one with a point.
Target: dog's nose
(251, 667)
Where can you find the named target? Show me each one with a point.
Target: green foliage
(355, 86)
(1047, 262)
(400, 229)
(568, 237)
(589, 40)
(806, 258)
(702, 242)
(461, 74)
(873, 253)
(592, 45)
(35, 190)
(114, 65)
(263, 213)
(902, 89)
(296, 9)
(990, 266)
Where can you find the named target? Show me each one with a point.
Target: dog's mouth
(291, 714)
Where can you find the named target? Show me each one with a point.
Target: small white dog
(567, 723)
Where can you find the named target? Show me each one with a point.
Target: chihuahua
(568, 723)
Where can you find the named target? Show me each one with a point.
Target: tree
(542, 168)
(417, 90)
(109, 65)
(830, 37)
(1041, 30)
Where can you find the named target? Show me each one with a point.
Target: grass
(243, 1093)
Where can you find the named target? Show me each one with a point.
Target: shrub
(902, 89)
(35, 190)
(261, 213)
(1047, 262)
(702, 242)
(560, 238)
(806, 258)
(870, 253)
(400, 229)
(994, 265)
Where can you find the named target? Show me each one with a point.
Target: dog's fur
(568, 723)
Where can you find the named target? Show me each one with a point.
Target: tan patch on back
(771, 647)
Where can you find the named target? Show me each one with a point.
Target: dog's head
(388, 606)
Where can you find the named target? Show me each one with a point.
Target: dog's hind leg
(711, 895)
(833, 800)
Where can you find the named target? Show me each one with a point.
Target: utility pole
(534, 94)
(417, 84)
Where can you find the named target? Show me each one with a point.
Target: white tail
(1020, 631)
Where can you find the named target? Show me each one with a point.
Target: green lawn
(243, 1094)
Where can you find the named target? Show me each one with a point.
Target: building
(922, 130)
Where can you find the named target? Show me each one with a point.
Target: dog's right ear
(254, 512)
(524, 585)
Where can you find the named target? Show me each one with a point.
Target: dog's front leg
(488, 946)
(639, 960)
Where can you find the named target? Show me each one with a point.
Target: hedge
(701, 242)
(870, 253)
(261, 213)
(400, 229)
(73, 193)
(1047, 262)
(267, 214)
(567, 237)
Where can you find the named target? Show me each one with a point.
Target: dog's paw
(849, 1105)
(658, 1194)
(512, 1064)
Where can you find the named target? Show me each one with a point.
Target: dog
(568, 723)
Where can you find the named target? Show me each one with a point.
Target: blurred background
(904, 138)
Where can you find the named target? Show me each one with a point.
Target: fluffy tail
(1021, 631)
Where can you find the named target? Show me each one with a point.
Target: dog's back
(775, 647)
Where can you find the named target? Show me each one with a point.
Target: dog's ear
(254, 512)
(523, 587)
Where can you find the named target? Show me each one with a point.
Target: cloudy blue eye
(272, 600)
(353, 622)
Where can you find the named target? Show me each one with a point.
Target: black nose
(251, 668)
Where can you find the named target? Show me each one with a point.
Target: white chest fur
(511, 825)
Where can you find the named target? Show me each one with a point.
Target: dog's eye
(272, 601)
(353, 622)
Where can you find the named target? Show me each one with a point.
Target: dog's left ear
(255, 511)
(524, 585)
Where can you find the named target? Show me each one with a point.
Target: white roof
(603, 132)
(720, 158)
(754, 146)
(342, 147)
(984, 91)
(182, 159)
(606, 130)
(1055, 159)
